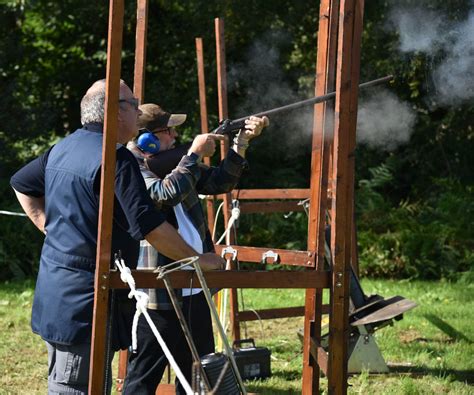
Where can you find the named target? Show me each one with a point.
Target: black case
(253, 362)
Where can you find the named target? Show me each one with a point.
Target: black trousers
(147, 365)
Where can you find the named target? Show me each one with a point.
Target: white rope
(12, 213)
(234, 217)
(142, 301)
(215, 220)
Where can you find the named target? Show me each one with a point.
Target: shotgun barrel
(229, 126)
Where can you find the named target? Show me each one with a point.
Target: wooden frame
(340, 26)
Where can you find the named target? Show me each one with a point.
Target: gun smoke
(260, 80)
(449, 45)
(384, 121)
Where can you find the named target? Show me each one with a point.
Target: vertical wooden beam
(355, 76)
(204, 119)
(341, 207)
(101, 295)
(140, 49)
(139, 91)
(326, 49)
(223, 114)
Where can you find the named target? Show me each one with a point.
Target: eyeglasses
(133, 101)
(166, 130)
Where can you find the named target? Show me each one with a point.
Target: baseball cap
(153, 117)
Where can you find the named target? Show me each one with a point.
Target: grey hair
(92, 104)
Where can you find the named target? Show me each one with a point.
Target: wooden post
(140, 49)
(355, 75)
(318, 203)
(341, 207)
(223, 114)
(101, 294)
(139, 92)
(204, 120)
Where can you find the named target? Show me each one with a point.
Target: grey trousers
(68, 369)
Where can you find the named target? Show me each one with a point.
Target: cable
(12, 213)
(215, 221)
(234, 217)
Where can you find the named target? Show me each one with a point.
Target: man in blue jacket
(59, 192)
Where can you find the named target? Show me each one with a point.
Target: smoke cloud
(260, 79)
(449, 44)
(384, 121)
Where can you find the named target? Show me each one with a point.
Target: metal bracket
(229, 250)
(270, 255)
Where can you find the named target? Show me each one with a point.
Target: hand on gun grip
(205, 144)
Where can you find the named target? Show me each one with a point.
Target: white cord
(142, 301)
(12, 213)
(234, 217)
(215, 221)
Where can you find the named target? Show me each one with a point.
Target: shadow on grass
(263, 390)
(464, 376)
(268, 387)
(443, 326)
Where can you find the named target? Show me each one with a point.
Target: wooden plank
(341, 207)
(270, 207)
(271, 314)
(166, 389)
(101, 286)
(140, 49)
(243, 194)
(204, 120)
(355, 75)
(139, 92)
(229, 279)
(286, 257)
(318, 188)
(223, 114)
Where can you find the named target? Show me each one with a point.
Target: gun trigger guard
(229, 250)
(270, 255)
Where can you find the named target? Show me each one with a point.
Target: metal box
(253, 362)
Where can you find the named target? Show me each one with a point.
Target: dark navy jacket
(63, 302)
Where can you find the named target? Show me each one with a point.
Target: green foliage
(430, 238)
(413, 207)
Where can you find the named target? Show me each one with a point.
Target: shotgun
(164, 162)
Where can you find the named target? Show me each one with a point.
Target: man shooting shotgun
(164, 162)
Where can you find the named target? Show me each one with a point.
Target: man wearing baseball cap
(177, 196)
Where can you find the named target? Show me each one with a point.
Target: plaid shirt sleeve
(223, 178)
(176, 186)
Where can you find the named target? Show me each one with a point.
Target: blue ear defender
(148, 143)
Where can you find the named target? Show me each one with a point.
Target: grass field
(431, 349)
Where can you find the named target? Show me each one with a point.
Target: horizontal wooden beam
(229, 279)
(270, 314)
(243, 194)
(285, 257)
(276, 206)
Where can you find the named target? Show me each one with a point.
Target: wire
(12, 213)
(215, 221)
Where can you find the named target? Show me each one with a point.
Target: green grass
(431, 349)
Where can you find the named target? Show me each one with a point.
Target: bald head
(93, 102)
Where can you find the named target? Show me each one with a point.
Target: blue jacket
(64, 295)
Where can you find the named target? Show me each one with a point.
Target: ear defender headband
(148, 142)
